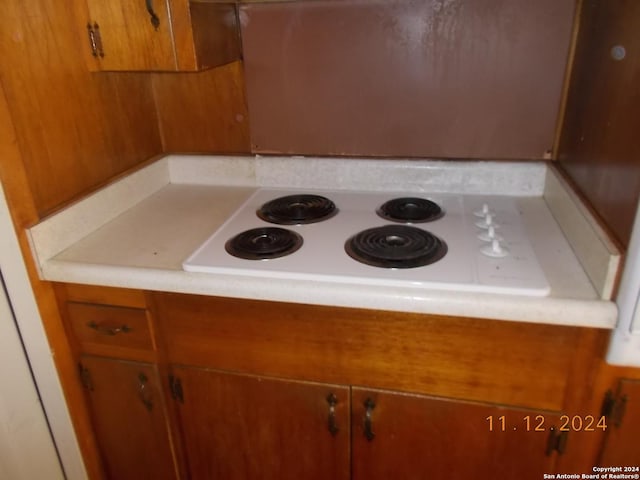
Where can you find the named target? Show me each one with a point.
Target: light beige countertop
(136, 233)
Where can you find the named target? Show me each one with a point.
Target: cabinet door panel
(129, 39)
(241, 427)
(129, 419)
(621, 444)
(419, 437)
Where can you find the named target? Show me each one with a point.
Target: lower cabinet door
(129, 419)
(246, 427)
(417, 437)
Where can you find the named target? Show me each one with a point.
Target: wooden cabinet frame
(410, 361)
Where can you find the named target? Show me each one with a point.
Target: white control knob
(487, 222)
(489, 235)
(483, 212)
(495, 249)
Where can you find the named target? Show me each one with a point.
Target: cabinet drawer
(107, 330)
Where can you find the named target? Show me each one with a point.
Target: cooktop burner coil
(410, 210)
(263, 243)
(395, 246)
(297, 209)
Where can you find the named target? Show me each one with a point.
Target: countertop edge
(544, 310)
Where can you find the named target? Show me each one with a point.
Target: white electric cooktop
(487, 246)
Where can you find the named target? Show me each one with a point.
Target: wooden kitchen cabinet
(397, 435)
(159, 35)
(434, 382)
(239, 427)
(115, 346)
(128, 413)
(258, 389)
(621, 447)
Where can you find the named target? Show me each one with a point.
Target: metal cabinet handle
(155, 21)
(369, 405)
(107, 330)
(143, 392)
(332, 423)
(92, 40)
(95, 40)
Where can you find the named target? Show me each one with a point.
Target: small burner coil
(263, 243)
(410, 210)
(297, 209)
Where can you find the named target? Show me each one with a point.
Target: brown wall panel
(599, 147)
(480, 79)
(203, 112)
(75, 129)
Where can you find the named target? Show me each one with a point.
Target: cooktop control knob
(489, 235)
(487, 222)
(495, 249)
(483, 212)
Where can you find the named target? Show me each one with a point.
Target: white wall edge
(37, 347)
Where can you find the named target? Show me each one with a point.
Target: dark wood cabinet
(128, 413)
(432, 382)
(621, 446)
(397, 435)
(224, 388)
(238, 427)
(115, 345)
(159, 35)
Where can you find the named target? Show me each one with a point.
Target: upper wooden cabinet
(159, 35)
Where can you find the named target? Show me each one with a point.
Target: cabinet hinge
(175, 385)
(557, 441)
(85, 377)
(95, 39)
(614, 408)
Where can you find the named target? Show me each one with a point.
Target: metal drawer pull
(106, 330)
(145, 395)
(369, 405)
(155, 21)
(332, 400)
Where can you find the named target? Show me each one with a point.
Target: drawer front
(107, 330)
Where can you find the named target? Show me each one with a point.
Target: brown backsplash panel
(438, 78)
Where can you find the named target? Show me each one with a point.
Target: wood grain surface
(599, 145)
(483, 360)
(203, 112)
(75, 130)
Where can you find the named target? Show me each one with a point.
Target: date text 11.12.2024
(539, 423)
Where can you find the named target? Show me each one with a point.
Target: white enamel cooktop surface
(322, 256)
